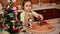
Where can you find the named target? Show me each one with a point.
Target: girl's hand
(40, 16)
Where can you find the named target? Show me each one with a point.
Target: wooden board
(37, 28)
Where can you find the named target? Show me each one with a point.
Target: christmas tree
(11, 23)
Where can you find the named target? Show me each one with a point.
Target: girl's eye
(28, 5)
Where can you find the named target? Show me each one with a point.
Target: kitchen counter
(42, 7)
(56, 31)
(56, 25)
(58, 6)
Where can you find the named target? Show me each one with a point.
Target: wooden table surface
(43, 28)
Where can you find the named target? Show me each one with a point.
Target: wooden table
(40, 29)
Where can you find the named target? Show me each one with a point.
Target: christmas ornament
(11, 15)
(13, 28)
(3, 26)
(7, 9)
(13, 22)
(16, 20)
(19, 29)
(15, 8)
(7, 26)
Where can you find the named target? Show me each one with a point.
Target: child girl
(27, 13)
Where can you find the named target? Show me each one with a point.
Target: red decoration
(17, 20)
(19, 29)
(13, 29)
(15, 8)
(7, 8)
(3, 26)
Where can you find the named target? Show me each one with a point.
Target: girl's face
(27, 6)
